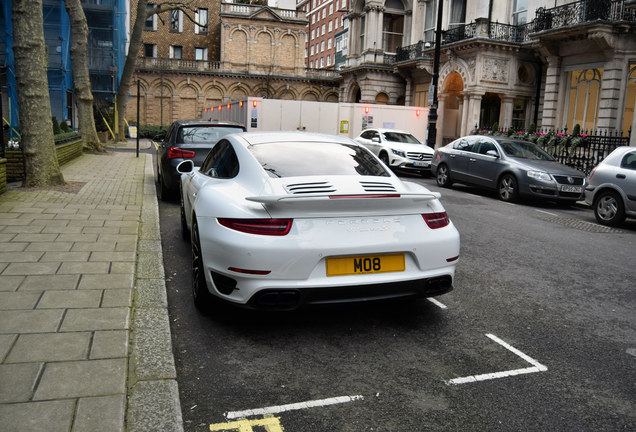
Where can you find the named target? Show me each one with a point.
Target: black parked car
(187, 139)
(510, 166)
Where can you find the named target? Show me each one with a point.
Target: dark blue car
(187, 139)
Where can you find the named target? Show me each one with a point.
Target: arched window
(584, 94)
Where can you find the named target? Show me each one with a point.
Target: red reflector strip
(452, 259)
(365, 196)
(272, 227)
(246, 271)
(436, 220)
(176, 152)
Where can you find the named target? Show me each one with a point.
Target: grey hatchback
(511, 166)
(187, 139)
(612, 187)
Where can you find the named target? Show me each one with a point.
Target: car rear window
(204, 134)
(290, 159)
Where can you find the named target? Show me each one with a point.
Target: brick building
(325, 18)
(244, 50)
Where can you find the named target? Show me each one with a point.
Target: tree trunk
(129, 67)
(81, 78)
(41, 164)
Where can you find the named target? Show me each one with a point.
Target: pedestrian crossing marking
(270, 423)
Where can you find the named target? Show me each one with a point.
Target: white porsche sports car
(278, 220)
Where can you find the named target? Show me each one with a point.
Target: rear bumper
(290, 299)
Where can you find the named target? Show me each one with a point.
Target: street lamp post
(432, 113)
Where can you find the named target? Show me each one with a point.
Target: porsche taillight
(436, 220)
(176, 152)
(271, 227)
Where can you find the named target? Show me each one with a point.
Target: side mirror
(492, 153)
(375, 139)
(187, 166)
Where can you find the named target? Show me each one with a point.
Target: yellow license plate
(355, 265)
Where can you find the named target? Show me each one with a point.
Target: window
(584, 98)
(311, 64)
(344, 4)
(322, 46)
(392, 28)
(330, 26)
(629, 161)
(330, 9)
(221, 162)
(201, 17)
(324, 13)
(176, 52)
(322, 62)
(429, 21)
(150, 50)
(313, 19)
(312, 50)
(176, 21)
(328, 60)
(200, 53)
(363, 28)
(519, 12)
(458, 13)
(313, 34)
(329, 43)
(323, 29)
(151, 21)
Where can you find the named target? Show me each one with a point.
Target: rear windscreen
(290, 159)
(204, 134)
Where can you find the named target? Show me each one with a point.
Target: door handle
(620, 176)
(453, 156)
(473, 160)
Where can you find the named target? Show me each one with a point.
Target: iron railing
(545, 19)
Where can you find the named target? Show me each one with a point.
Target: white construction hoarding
(348, 119)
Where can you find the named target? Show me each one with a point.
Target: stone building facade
(252, 50)
(552, 64)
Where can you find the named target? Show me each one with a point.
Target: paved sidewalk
(84, 331)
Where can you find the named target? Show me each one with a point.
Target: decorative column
(474, 109)
(551, 93)
(505, 114)
(466, 127)
(441, 102)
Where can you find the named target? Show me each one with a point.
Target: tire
(385, 159)
(185, 232)
(164, 192)
(443, 176)
(203, 300)
(507, 188)
(609, 209)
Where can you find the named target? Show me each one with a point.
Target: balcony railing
(178, 64)
(545, 19)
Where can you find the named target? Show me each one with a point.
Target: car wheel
(507, 188)
(385, 159)
(443, 176)
(200, 294)
(609, 209)
(185, 232)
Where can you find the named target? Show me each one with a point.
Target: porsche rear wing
(349, 204)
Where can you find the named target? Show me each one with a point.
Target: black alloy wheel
(385, 159)
(185, 232)
(200, 294)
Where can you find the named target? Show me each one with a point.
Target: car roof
(202, 122)
(389, 130)
(253, 138)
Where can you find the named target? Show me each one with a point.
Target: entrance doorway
(490, 108)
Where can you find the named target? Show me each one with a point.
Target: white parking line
(290, 407)
(548, 213)
(536, 366)
(437, 303)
